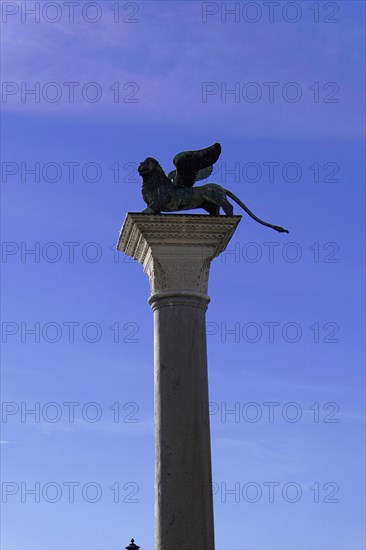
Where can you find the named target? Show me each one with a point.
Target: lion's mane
(154, 179)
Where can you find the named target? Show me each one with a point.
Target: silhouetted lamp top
(132, 546)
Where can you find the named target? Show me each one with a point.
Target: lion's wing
(194, 166)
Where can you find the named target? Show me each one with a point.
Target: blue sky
(293, 303)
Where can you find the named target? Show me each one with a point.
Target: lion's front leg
(150, 210)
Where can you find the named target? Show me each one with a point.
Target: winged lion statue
(175, 192)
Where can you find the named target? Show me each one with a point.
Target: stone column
(176, 251)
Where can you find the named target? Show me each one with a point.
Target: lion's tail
(240, 203)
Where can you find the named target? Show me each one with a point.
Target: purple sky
(299, 164)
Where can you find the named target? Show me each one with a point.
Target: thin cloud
(170, 73)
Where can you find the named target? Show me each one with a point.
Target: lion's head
(153, 178)
(148, 167)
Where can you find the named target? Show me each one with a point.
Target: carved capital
(176, 250)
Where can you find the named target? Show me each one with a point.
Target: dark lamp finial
(132, 545)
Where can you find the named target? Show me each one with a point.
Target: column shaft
(183, 498)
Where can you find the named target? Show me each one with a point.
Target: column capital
(176, 250)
